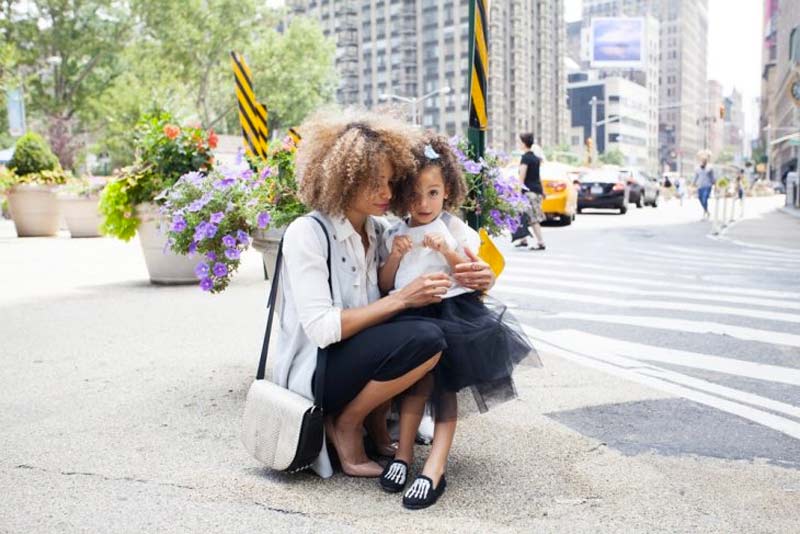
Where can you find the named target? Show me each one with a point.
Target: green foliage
(612, 157)
(117, 209)
(562, 153)
(293, 72)
(82, 187)
(69, 51)
(280, 190)
(32, 155)
(725, 156)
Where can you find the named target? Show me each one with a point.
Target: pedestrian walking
(704, 180)
(484, 342)
(530, 178)
(741, 183)
(345, 165)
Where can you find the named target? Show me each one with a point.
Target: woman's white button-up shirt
(310, 317)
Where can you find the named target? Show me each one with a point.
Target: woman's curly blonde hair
(446, 160)
(341, 151)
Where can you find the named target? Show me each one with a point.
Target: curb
(794, 212)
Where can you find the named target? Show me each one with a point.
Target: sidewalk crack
(106, 477)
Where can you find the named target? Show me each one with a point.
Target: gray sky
(734, 48)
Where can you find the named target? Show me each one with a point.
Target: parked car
(560, 197)
(603, 188)
(644, 188)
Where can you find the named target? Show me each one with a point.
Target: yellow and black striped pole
(252, 114)
(478, 84)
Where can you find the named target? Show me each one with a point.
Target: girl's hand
(400, 246)
(436, 242)
(426, 289)
(476, 274)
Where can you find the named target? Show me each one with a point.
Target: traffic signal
(722, 111)
(589, 144)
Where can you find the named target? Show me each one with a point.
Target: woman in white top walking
(345, 165)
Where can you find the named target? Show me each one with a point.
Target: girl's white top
(423, 260)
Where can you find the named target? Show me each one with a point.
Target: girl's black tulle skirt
(484, 345)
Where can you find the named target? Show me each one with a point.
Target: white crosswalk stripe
(563, 301)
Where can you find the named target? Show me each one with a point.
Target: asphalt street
(669, 400)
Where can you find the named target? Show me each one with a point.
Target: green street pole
(475, 136)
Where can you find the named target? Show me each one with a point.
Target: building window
(794, 45)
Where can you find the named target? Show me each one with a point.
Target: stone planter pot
(34, 209)
(267, 242)
(164, 266)
(81, 215)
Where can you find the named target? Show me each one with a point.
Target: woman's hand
(426, 289)
(401, 244)
(435, 241)
(475, 274)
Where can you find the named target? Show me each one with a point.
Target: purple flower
(206, 284)
(178, 224)
(232, 253)
(247, 174)
(224, 183)
(211, 230)
(200, 231)
(239, 156)
(263, 219)
(220, 270)
(195, 178)
(243, 238)
(211, 255)
(196, 206)
(229, 241)
(265, 172)
(496, 217)
(201, 271)
(216, 218)
(192, 247)
(472, 167)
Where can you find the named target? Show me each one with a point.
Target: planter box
(267, 242)
(34, 209)
(81, 215)
(164, 266)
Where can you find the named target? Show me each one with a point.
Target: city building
(646, 74)
(769, 58)
(734, 126)
(683, 71)
(782, 104)
(714, 123)
(417, 47)
(622, 112)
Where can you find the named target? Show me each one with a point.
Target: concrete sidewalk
(776, 229)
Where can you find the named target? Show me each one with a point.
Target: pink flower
(171, 131)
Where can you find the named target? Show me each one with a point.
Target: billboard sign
(618, 42)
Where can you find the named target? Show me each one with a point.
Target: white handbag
(280, 428)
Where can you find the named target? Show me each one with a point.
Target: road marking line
(520, 262)
(763, 255)
(658, 257)
(648, 304)
(769, 420)
(568, 280)
(694, 360)
(677, 325)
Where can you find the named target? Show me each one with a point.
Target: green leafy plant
(165, 152)
(33, 156)
(82, 187)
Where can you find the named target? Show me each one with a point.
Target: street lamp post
(415, 101)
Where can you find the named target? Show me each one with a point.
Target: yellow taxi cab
(560, 195)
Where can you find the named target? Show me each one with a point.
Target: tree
(293, 72)
(70, 50)
(562, 153)
(725, 156)
(612, 157)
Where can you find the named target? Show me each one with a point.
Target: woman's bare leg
(411, 411)
(375, 424)
(443, 434)
(346, 430)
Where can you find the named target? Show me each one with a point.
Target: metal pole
(594, 129)
(475, 136)
(769, 153)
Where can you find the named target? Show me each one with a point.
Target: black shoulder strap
(321, 360)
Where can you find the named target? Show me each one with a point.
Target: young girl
(483, 342)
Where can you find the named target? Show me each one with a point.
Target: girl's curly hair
(454, 183)
(340, 153)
